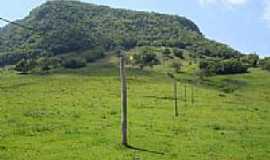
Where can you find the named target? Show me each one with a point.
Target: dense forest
(61, 27)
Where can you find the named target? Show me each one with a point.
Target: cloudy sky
(243, 24)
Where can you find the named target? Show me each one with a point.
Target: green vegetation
(265, 63)
(145, 59)
(62, 27)
(251, 60)
(47, 64)
(229, 66)
(74, 63)
(75, 114)
(25, 65)
(178, 53)
(66, 104)
(177, 66)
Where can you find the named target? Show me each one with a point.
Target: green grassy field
(76, 115)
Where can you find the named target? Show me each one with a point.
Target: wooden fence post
(185, 92)
(175, 99)
(123, 101)
(192, 94)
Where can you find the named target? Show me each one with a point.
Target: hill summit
(59, 27)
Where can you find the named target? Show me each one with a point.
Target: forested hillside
(59, 27)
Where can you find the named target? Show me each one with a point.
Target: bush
(25, 65)
(230, 66)
(12, 58)
(146, 59)
(267, 66)
(177, 66)
(265, 63)
(178, 53)
(47, 64)
(74, 63)
(251, 60)
(94, 54)
(208, 67)
(166, 52)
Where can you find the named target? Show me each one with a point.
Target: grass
(75, 114)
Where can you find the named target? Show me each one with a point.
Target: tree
(25, 65)
(229, 66)
(145, 59)
(207, 67)
(254, 59)
(74, 63)
(267, 66)
(45, 68)
(166, 52)
(129, 42)
(251, 60)
(265, 63)
(178, 53)
(48, 63)
(94, 54)
(177, 66)
(202, 73)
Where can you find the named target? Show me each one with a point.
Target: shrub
(177, 66)
(25, 65)
(265, 63)
(267, 66)
(208, 67)
(12, 58)
(47, 63)
(230, 66)
(178, 53)
(251, 60)
(166, 52)
(74, 63)
(94, 54)
(146, 59)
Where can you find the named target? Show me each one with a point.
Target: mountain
(60, 27)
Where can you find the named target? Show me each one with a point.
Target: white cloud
(230, 3)
(266, 14)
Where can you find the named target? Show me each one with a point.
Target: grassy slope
(76, 115)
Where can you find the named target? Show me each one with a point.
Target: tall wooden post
(123, 100)
(175, 99)
(192, 94)
(185, 92)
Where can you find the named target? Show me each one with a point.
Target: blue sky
(243, 24)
